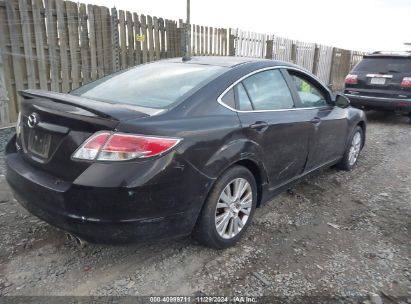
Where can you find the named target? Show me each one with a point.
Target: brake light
(90, 148)
(406, 82)
(125, 146)
(351, 79)
(120, 146)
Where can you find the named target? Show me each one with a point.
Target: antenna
(187, 38)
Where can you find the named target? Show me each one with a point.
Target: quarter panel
(235, 151)
(206, 139)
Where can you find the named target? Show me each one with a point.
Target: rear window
(384, 65)
(154, 85)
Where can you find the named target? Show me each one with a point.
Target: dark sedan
(173, 148)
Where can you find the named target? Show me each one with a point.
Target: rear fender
(233, 152)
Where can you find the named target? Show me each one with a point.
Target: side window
(244, 103)
(268, 91)
(309, 94)
(228, 99)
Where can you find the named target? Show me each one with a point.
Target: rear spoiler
(100, 108)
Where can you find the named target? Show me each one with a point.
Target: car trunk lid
(53, 125)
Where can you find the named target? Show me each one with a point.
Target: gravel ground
(337, 235)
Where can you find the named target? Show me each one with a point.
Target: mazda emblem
(33, 120)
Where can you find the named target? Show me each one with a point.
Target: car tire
(224, 219)
(409, 116)
(353, 150)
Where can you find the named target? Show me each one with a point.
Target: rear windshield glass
(384, 65)
(154, 85)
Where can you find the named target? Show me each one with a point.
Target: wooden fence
(59, 45)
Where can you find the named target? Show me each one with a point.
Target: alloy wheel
(355, 148)
(233, 208)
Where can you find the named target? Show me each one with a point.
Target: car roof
(382, 54)
(225, 61)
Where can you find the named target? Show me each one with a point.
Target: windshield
(154, 85)
(384, 65)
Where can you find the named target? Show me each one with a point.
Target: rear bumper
(380, 103)
(111, 231)
(108, 215)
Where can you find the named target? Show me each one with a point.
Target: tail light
(105, 146)
(351, 79)
(406, 82)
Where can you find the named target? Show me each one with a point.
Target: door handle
(316, 120)
(260, 126)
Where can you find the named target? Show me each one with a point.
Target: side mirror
(342, 101)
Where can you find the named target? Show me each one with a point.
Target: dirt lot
(337, 234)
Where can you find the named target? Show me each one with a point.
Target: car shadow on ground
(387, 117)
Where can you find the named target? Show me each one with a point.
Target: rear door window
(268, 91)
(239, 94)
(244, 103)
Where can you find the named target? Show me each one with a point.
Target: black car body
(381, 81)
(163, 195)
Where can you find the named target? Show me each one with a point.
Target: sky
(363, 25)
